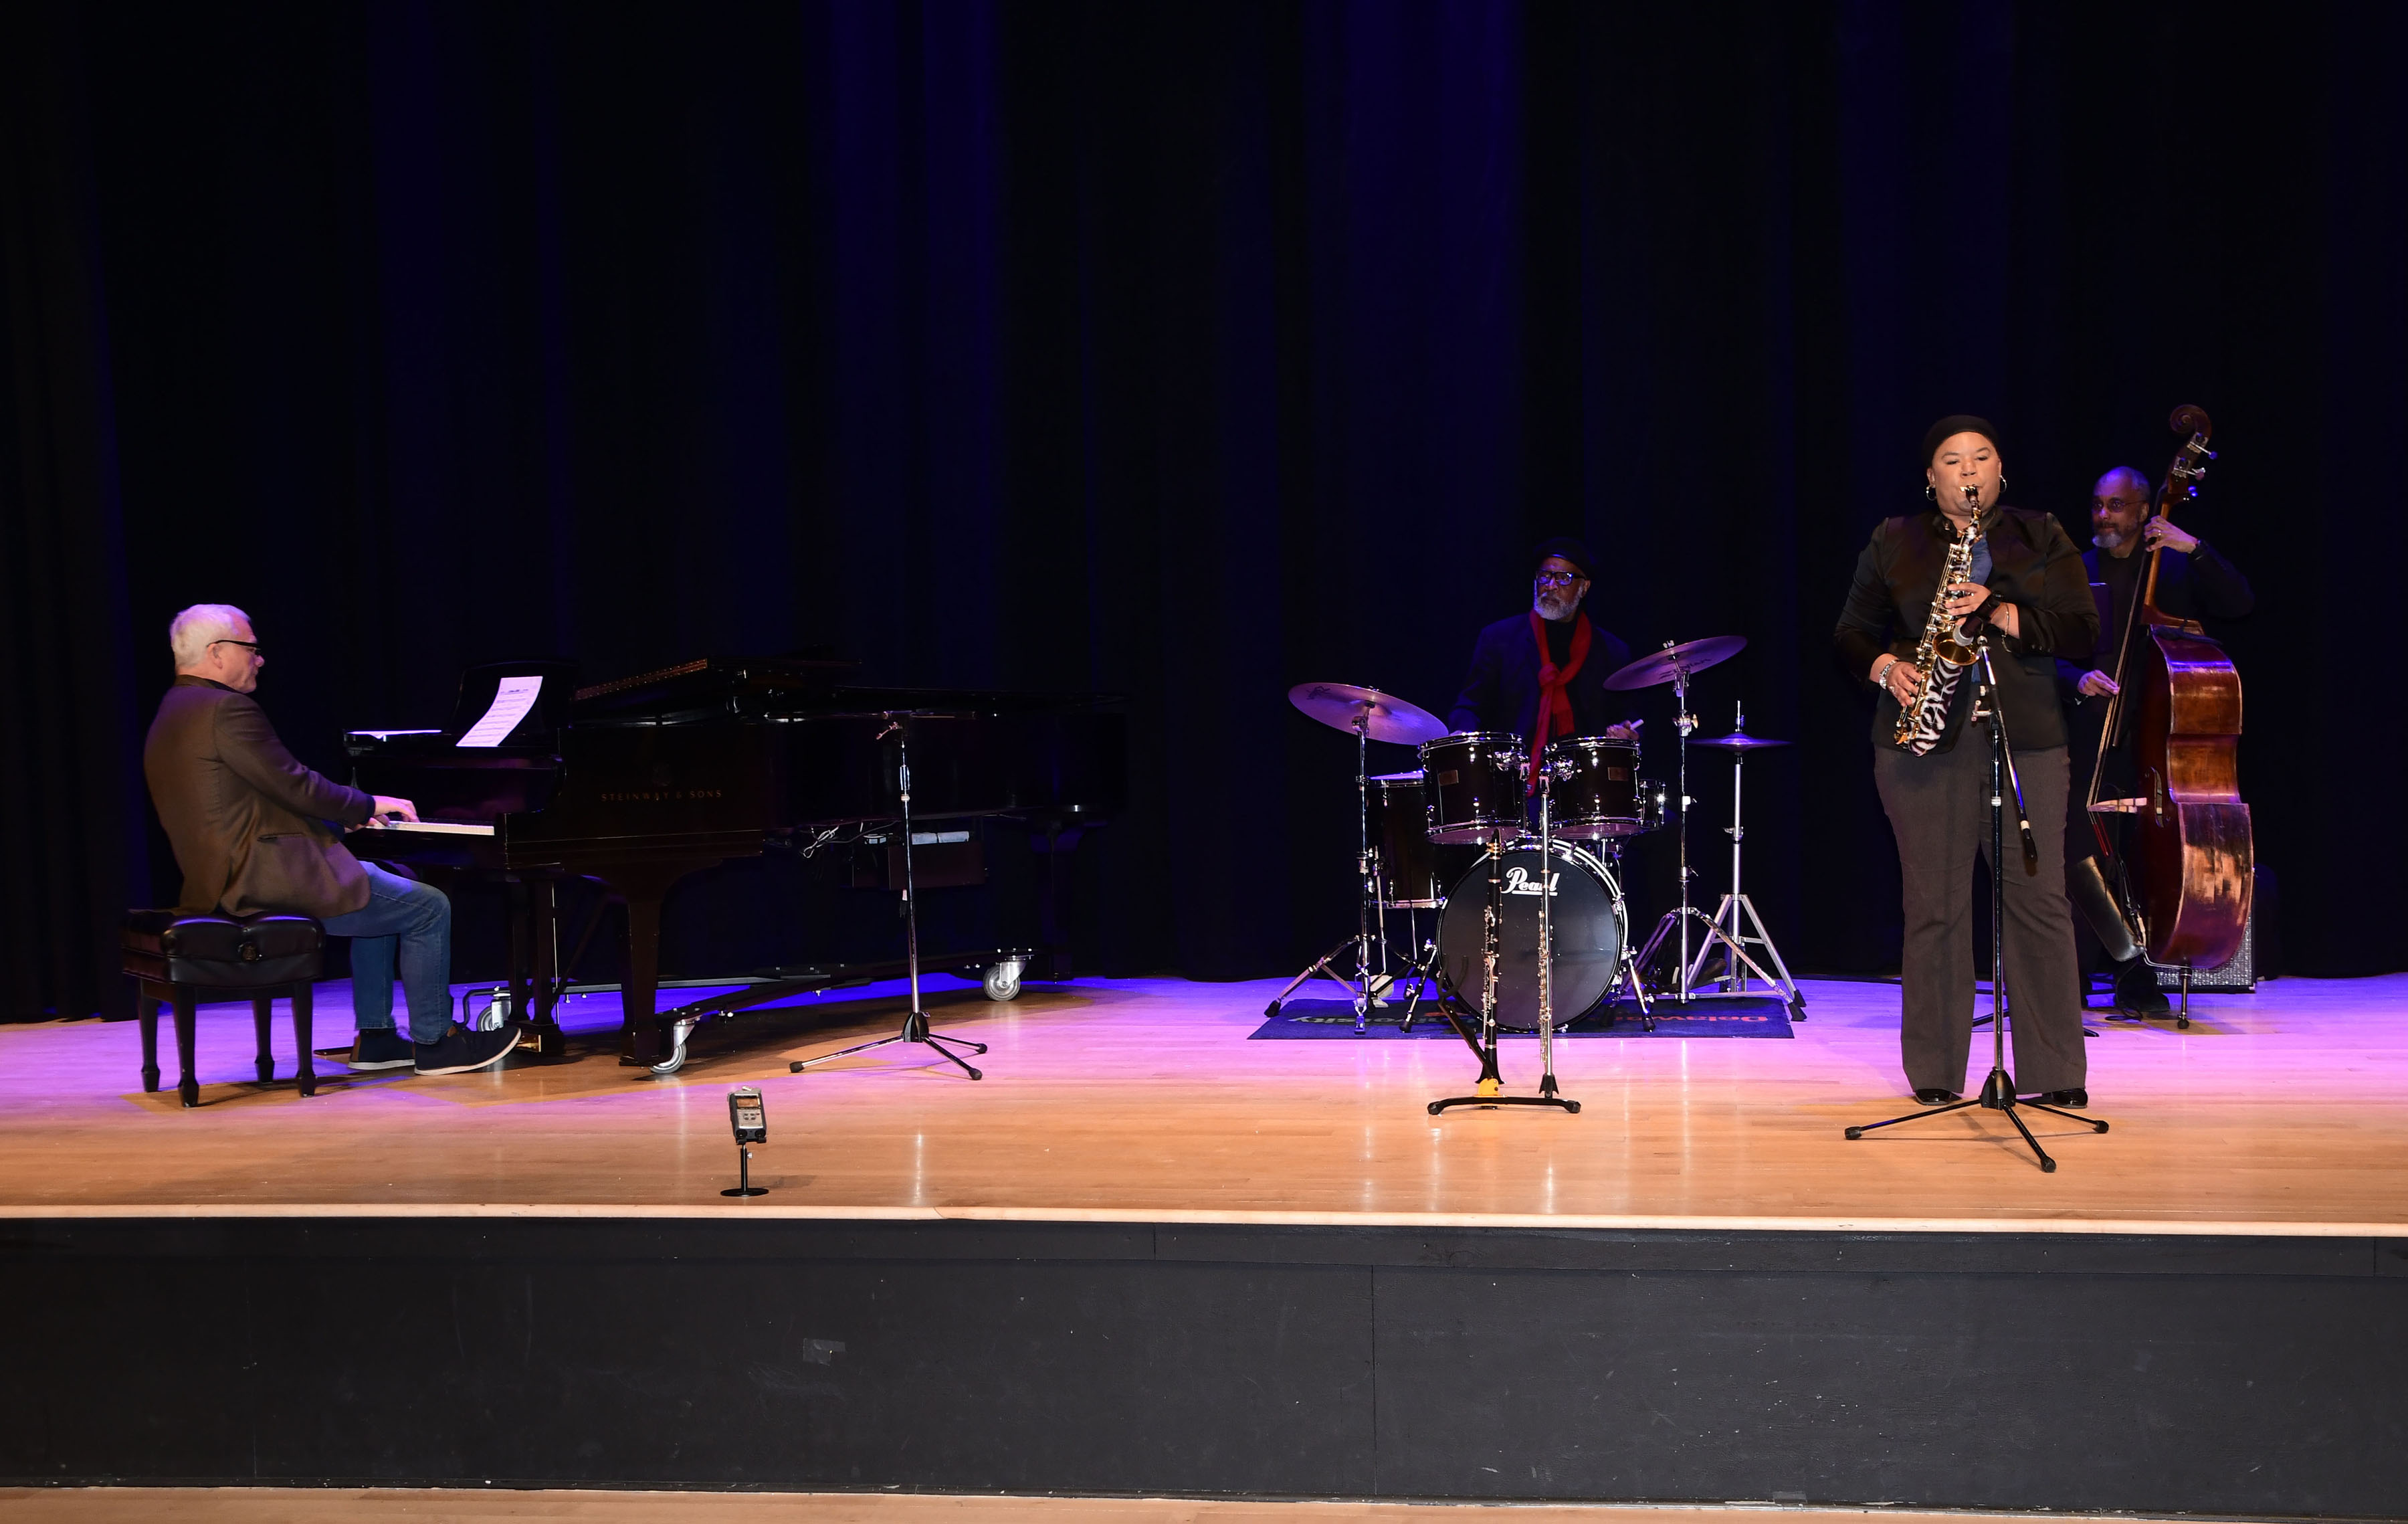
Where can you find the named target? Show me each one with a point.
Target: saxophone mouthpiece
(1973, 496)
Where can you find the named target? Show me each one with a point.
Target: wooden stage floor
(309, 1505)
(2277, 1113)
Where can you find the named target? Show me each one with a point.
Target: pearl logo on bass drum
(1518, 880)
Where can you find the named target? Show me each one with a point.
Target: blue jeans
(414, 920)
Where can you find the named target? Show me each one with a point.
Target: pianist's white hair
(190, 633)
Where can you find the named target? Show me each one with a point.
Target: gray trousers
(1939, 809)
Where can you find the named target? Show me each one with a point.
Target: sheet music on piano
(512, 699)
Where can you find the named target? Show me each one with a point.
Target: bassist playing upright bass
(2193, 582)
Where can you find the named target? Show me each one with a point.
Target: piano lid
(710, 683)
(773, 688)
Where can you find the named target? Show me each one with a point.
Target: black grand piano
(637, 782)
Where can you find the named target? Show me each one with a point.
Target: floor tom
(1402, 852)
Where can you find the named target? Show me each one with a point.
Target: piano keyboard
(428, 828)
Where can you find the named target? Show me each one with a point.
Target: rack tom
(1471, 786)
(1596, 788)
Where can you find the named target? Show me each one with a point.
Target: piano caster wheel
(1002, 981)
(495, 1015)
(676, 1060)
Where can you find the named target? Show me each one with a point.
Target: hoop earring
(2003, 483)
(1930, 492)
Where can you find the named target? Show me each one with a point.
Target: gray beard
(1552, 607)
(2106, 540)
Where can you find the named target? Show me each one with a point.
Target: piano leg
(641, 1037)
(533, 990)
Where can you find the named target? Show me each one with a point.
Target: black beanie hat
(1953, 425)
(1570, 550)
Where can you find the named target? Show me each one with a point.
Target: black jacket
(2034, 567)
(2191, 584)
(1503, 692)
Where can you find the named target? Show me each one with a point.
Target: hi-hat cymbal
(1383, 716)
(1677, 661)
(1737, 740)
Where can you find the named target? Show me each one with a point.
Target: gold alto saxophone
(1942, 654)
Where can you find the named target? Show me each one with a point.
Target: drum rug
(1746, 1015)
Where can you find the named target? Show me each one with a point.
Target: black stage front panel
(2248, 1375)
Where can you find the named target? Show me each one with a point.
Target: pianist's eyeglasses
(252, 646)
(1558, 579)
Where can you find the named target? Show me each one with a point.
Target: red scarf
(1554, 703)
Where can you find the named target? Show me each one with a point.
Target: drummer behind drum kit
(1470, 800)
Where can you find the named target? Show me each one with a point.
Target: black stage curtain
(1182, 350)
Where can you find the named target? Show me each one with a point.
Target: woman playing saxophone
(1928, 586)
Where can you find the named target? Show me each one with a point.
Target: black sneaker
(463, 1051)
(382, 1047)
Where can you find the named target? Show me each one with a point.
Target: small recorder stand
(1997, 1088)
(915, 1023)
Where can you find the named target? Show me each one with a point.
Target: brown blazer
(251, 825)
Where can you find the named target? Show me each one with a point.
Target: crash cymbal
(1385, 716)
(1677, 661)
(1737, 740)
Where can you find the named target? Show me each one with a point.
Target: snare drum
(1593, 782)
(1471, 785)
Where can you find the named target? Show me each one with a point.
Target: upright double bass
(2188, 867)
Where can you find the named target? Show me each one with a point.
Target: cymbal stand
(1491, 1088)
(1741, 914)
(1366, 891)
(915, 1023)
(1997, 1088)
(1626, 969)
(1678, 918)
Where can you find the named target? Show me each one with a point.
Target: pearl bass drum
(1590, 926)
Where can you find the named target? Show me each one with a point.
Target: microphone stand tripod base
(1997, 1095)
(915, 1030)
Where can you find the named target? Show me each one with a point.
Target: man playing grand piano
(254, 831)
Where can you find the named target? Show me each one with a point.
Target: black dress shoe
(2073, 1100)
(2137, 991)
(1936, 1098)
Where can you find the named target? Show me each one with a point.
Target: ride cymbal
(1677, 661)
(1383, 716)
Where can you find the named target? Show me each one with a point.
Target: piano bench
(171, 957)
